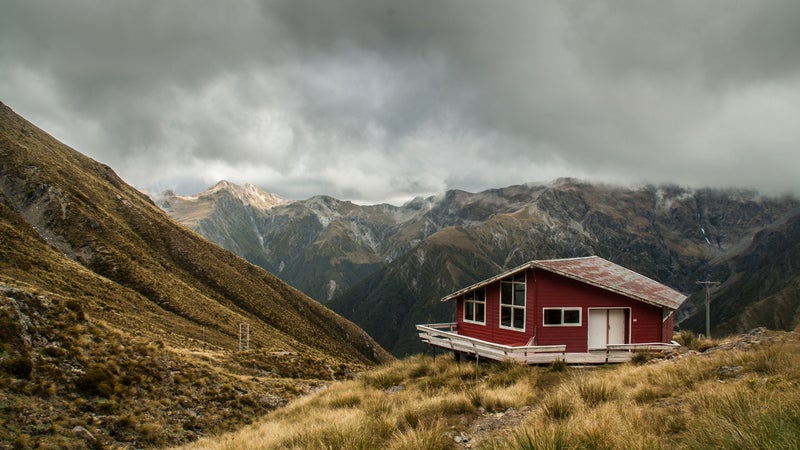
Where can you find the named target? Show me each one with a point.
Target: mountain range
(385, 267)
(121, 327)
(117, 320)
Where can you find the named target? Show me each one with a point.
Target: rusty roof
(598, 272)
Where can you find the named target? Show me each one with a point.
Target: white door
(606, 326)
(598, 325)
(616, 326)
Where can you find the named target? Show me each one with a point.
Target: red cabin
(578, 309)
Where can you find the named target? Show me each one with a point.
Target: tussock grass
(761, 418)
(735, 398)
(406, 404)
(595, 391)
(547, 439)
(425, 437)
(691, 341)
(500, 398)
(559, 406)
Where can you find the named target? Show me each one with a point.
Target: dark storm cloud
(379, 100)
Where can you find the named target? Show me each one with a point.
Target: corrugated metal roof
(598, 272)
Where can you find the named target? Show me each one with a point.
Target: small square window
(475, 306)
(552, 317)
(572, 316)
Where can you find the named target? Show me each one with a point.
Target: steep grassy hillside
(739, 393)
(135, 294)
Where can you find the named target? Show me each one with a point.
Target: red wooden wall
(545, 289)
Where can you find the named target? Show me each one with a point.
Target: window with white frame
(475, 306)
(512, 302)
(561, 317)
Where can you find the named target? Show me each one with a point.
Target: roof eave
(487, 281)
(533, 264)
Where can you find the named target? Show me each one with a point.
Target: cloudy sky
(376, 101)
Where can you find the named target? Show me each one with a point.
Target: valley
(385, 267)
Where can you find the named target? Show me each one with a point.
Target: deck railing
(444, 335)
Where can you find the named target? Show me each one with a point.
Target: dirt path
(490, 425)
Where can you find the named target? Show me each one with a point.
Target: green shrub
(641, 356)
(558, 365)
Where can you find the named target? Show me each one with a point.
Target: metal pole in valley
(708, 285)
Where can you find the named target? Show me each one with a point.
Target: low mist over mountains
(116, 319)
(386, 267)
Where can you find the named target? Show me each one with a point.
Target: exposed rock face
(385, 267)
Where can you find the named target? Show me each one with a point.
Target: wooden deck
(444, 335)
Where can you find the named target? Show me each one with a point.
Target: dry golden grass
(730, 399)
(60, 368)
(746, 398)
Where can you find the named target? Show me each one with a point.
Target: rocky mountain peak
(250, 195)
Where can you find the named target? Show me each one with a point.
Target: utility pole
(708, 285)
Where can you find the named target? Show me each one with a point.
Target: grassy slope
(174, 282)
(118, 273)
(743, 393)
